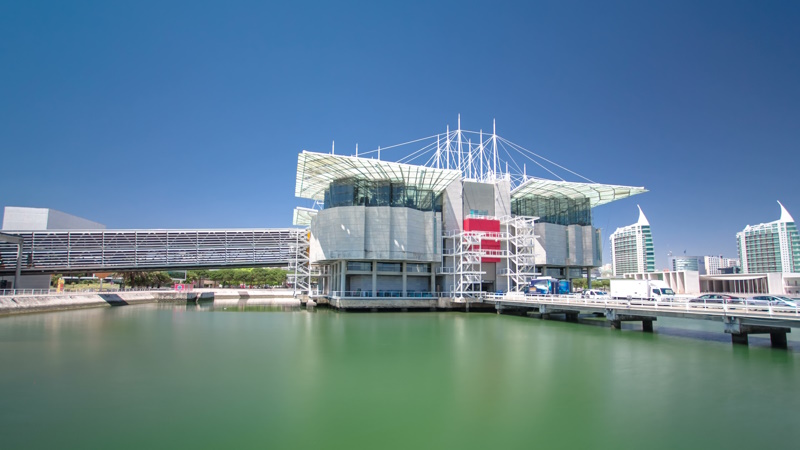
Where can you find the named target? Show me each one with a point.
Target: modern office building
(716, 265)
(16, 218)
(458, 224)
(632, 248)
(770, 247)
(684, 263)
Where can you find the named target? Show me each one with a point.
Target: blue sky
(180, 115)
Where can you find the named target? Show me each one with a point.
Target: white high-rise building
(770, 247)
(632, 248)
(714, 264)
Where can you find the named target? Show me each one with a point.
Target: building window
(418, 268)
(389, 267)
(356, 192)
(359, 266)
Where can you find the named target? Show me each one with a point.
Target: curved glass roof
(598, 194)
(315, 171)
(302, 216)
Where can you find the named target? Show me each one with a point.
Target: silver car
(775, 300)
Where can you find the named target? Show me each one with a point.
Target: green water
(155, 376)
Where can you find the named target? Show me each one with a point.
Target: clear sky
(178, 115)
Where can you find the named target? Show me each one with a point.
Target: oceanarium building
(448, 218)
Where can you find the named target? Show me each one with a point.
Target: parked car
(595, 294)
(718, 298)
(775, 300)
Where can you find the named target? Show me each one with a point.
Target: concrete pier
(739, 332)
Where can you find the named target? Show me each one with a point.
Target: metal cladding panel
(483, 224)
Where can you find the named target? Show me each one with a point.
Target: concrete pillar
(342, 273)
(405, 279)
(432, 287)
(647, 326)
(588, 278)
(778, 340)
(739, 338)
(374, 278)
(18, 271)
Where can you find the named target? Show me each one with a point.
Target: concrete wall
(452, 208)
(30, 281)
(31, 219)
(554, 240)
(375, 233)
(478, 196)
(502, 198)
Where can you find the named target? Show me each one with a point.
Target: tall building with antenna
(454, 213)
(770, 247)
(632, 248)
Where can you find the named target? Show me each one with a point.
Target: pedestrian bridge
(61, 251)
(739, 320)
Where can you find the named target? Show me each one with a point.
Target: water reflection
(284, 377)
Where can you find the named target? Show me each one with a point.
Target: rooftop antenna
(524, 172)
(459, 142)
(469, 146)
(470, 167)
(494, 148)
(333, 147)
(480, 152)
(356, 149)
(379, 153)
(447, 158)
(438, 151)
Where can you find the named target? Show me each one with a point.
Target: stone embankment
(252, 297)
(221, 297)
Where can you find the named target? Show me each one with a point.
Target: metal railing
(752, 308)
(30, 292)
(383, 294)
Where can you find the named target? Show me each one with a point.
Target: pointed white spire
(785, 216)
(642, 218)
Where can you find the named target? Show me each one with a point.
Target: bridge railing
(36, 292)
(383, 294)
(745, 307)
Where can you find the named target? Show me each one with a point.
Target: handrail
(383, 294)
(746, 307)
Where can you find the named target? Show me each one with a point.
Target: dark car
(718, 299)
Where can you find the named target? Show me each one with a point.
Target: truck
(653, 290)
(549, 285)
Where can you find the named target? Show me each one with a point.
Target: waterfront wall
(37, 303)
(66, 301)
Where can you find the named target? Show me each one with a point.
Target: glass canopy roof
(598, 194)
(315, 172)
(302, 216)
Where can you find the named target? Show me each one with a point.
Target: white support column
(342, 279)
(432, 287)
(405, 280)
(374, 279)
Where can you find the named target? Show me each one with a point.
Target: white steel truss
(462, 255)
(300, 267)
(521, 249)
(56, 251)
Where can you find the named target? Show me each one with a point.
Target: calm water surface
(155, 376)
